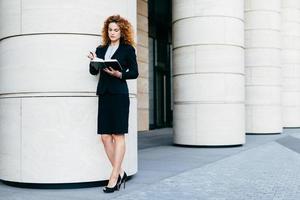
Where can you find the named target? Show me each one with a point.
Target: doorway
(160, 61)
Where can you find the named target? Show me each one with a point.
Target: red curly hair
(125, 27)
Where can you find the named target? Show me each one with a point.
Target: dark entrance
(160, 50)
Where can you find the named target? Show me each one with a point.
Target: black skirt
(113, 113)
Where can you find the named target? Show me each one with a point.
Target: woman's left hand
(113, 72)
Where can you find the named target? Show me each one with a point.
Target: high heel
(116, 187)
(124, 179)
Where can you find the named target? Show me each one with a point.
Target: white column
(291, 62)
(48, 106)
(262, 63)
(208, 66)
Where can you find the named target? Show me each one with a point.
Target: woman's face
(114, 32)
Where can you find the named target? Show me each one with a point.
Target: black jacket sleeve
(132, 71)
(93, 71)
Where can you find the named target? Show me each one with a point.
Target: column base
(57, 185)
(263, 133)
(208, 146)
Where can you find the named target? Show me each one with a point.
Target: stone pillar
(143, 61)
(290, 55)
(48, 106)
(262, 64)
(208, 72)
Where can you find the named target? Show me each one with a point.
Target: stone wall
(143, 61)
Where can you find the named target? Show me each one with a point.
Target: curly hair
(125, 27)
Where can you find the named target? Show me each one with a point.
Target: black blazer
(126, 56)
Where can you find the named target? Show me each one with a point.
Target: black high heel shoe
(112, 189)
(124, 179)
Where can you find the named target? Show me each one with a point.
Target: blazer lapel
(116, 52)
(103, 51)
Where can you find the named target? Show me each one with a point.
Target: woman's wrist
(119, 75)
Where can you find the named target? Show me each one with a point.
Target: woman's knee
(106, 138)
(119, 137)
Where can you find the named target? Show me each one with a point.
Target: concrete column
(48, 106)
(290, 61)
(208, 72)
(262, 64)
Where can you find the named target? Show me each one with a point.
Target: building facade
(213, 70)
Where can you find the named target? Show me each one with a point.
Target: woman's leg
(118, 158)
(109, 147)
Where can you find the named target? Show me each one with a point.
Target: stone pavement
(266, 167)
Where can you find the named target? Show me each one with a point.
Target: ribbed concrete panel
(262, 62)
(209, 88)
(42, 156)
(262, 39)
(258, 57)
(263, 5)
(268, 115)
(55, 16)
(267, 95)
(290, 60)
(208, 30)
(195, 121)
(290, 4)
(292, 98)
(48, 106)
(208, 72)
(76, 152)
(262, 20)
(49, 61)
(10, 17)
(199, 59)
(191, 8)
(263, 76)
(10, 144)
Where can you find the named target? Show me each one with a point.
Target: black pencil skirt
(113, 113)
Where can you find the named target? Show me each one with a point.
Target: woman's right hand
(91, 55)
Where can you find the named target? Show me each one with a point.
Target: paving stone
(266, 167)
(270, 171)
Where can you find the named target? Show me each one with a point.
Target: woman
(113, 102)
